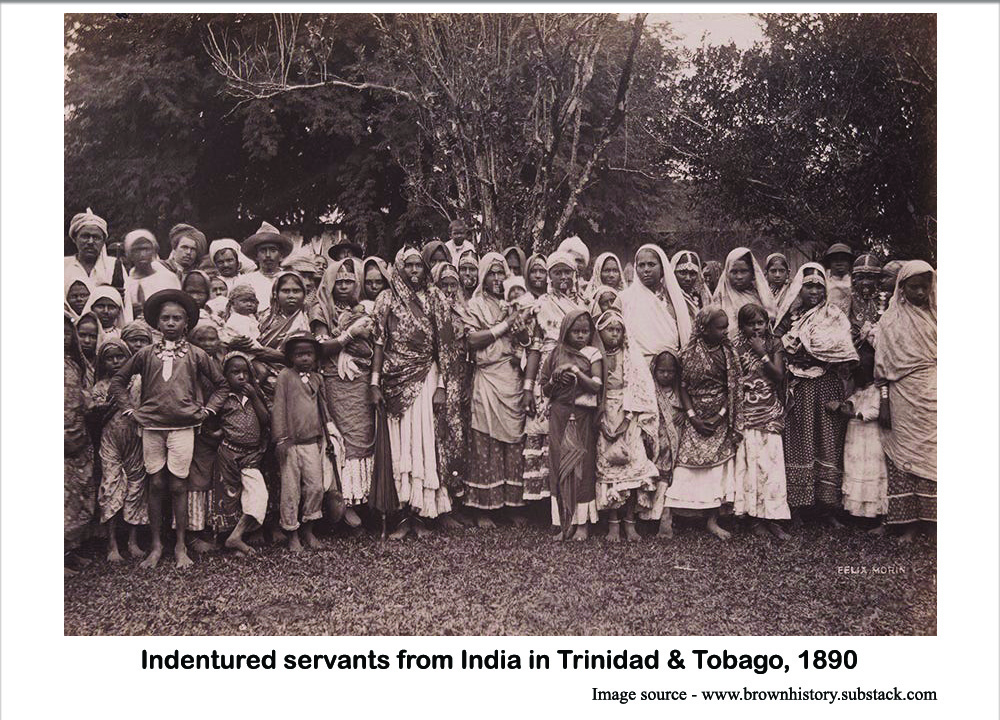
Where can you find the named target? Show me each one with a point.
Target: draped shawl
(650, 323)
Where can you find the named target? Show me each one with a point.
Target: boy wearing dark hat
(170, 409)
(298, 432)
(837, 260)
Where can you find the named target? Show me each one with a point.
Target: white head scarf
(650, 324)
(732, 300)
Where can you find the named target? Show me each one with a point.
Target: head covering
(473, 260)
(599, 262)
(70, 279)
(838, 249)
(381, 265)
(778, 293)
(823, 331)
(775, 256)
(428, 250)
(300, 263)
(731, 300)
(133, 236)
(690, 260)
(136, 329)
(267, 233)
(575, 246)
(356, 251)
(867, 263)
(595, 303)
(203, 275)
(245, 263)
(639, 391)
(907, 335)
(520, 256)
(233, 355)
(240, 292)
(536, 259)
(74, 353)
(103, 348)
(442, 270)
(85, 219)
(155, 302)
(183, 230)
(712, 269)
(326, 309)
(892, 267)
(560, 258)
(486, 262)
(512, 282)
(651, 325)
(106, 292)
(299, 336)
(807, 273)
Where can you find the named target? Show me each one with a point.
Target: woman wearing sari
(687, 269)
(376, 279)
(710, 395)
(451, 428)
(468, 273)
(552, 307)
(573, 378)
(743, 283)
(607, 272)
(516, 260)
(496, 334)
(818, 346)
(106, 305)
(344, 330)
(77, 291)
(776, 267)
(536, 275)
(411, 326)
(655, 312)
(906, 368)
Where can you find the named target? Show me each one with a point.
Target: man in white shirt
(89, 233)
(268, 247)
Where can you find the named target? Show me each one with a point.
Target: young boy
(239, 492)
(170, 409)
(298, 429)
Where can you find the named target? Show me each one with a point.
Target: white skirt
(414, 454)
(866, 480)
(761, 489)
(701, 488)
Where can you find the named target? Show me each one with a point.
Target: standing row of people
(258, 386)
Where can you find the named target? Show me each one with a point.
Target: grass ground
(517, 581)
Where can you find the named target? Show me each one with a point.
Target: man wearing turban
(89, 233)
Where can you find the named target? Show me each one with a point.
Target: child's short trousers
(173, 448)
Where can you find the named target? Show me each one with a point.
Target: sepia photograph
(506, 324)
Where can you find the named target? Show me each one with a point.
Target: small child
(206, 336)
(242, 320)
(666, 372)
(866, 478)
(168, 411)
(219, 301)
(628, 425)
(573, 377)
(239, 494)
(605, 298)
(122, 492)
(298, 429)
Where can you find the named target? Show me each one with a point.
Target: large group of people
(236, 388)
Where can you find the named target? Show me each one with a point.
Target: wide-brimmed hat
(838, 249)
(155, 302)
(266, 234)
(298, 337)
(357, 250)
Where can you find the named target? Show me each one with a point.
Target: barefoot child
(710, 395)
(239, 495)
(168, 411)
(628, 425)
(666, 374)
(78, 453)
(761, 489)
(297, 429)
(573, 377)
(122, 493)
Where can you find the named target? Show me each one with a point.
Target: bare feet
(518, 519)
(878, 530)
(421, 530)
(833, 522)
(69, 572)
(450, 523)
(666, 529)
(759, 530)
(401, 531)
(462, 517)
(309, 539)
(114, 556)
(294, 544)
(277, 535)
(153, 558)
(351, 518)
(713, 527)
(133, 548)
(909, 534)
(237, 544)
(181, 557)
(614, 531)
(631, 534)
(776, 530)
(202, 546)
(581, 534)
(485, 522)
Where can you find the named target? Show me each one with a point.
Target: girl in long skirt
(666, 375)
(710, 395)
(761, 489)
(573, 379)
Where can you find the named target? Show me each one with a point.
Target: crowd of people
(237, 389)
